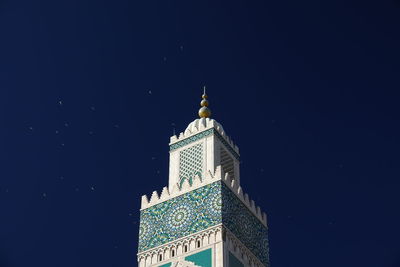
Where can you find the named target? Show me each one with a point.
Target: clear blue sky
(90, 92)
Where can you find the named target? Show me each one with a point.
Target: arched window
(185, 248)
(173, 253)
(160, 257)
(198, 243)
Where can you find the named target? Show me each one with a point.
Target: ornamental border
(200, 135)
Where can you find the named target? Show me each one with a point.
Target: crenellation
(218, 172)
(196, 181)
(174, 189)
(253, 205)
(145, 201)
(259, 212)
(226, 176)
(228, 140)
(233, 185)
(185, 185)
(168, 193)
(246, 199)
(154, 197)
(173, 138)
(264, 217)
(165, 193)
(240, 193)
(223, 134)
(202, 126)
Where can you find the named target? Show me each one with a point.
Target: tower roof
(194, 126)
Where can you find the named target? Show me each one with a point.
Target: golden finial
(204, 111)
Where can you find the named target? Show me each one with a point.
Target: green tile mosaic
(244, 225)
(181, 216)
(202, 258)
(198, 210)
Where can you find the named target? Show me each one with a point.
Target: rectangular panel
(203, 258)
(234, 262)
(190, 163)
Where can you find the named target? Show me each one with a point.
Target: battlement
(197, 182)
(198, 129)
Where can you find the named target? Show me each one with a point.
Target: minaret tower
(202, 218)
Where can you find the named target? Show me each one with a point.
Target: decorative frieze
(173, 250)
(177, 190)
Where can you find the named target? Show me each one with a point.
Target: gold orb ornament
(204, 103)
(204, 111)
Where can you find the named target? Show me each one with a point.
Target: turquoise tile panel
(234, 262)
(244, 225)
(203, 258)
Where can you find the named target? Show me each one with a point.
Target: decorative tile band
(198, 210)
(244, 225)
(191, 139)
(184, 215)
(201, 135)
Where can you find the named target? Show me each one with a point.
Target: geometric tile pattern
(198, 210)
(180, 216)
(200, 135)
(190, 163)
(244, 225)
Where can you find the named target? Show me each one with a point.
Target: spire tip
(204, 111)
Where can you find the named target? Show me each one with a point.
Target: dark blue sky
(309, 90)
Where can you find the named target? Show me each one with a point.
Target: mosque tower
(202, 218)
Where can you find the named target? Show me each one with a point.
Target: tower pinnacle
(204, 111)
